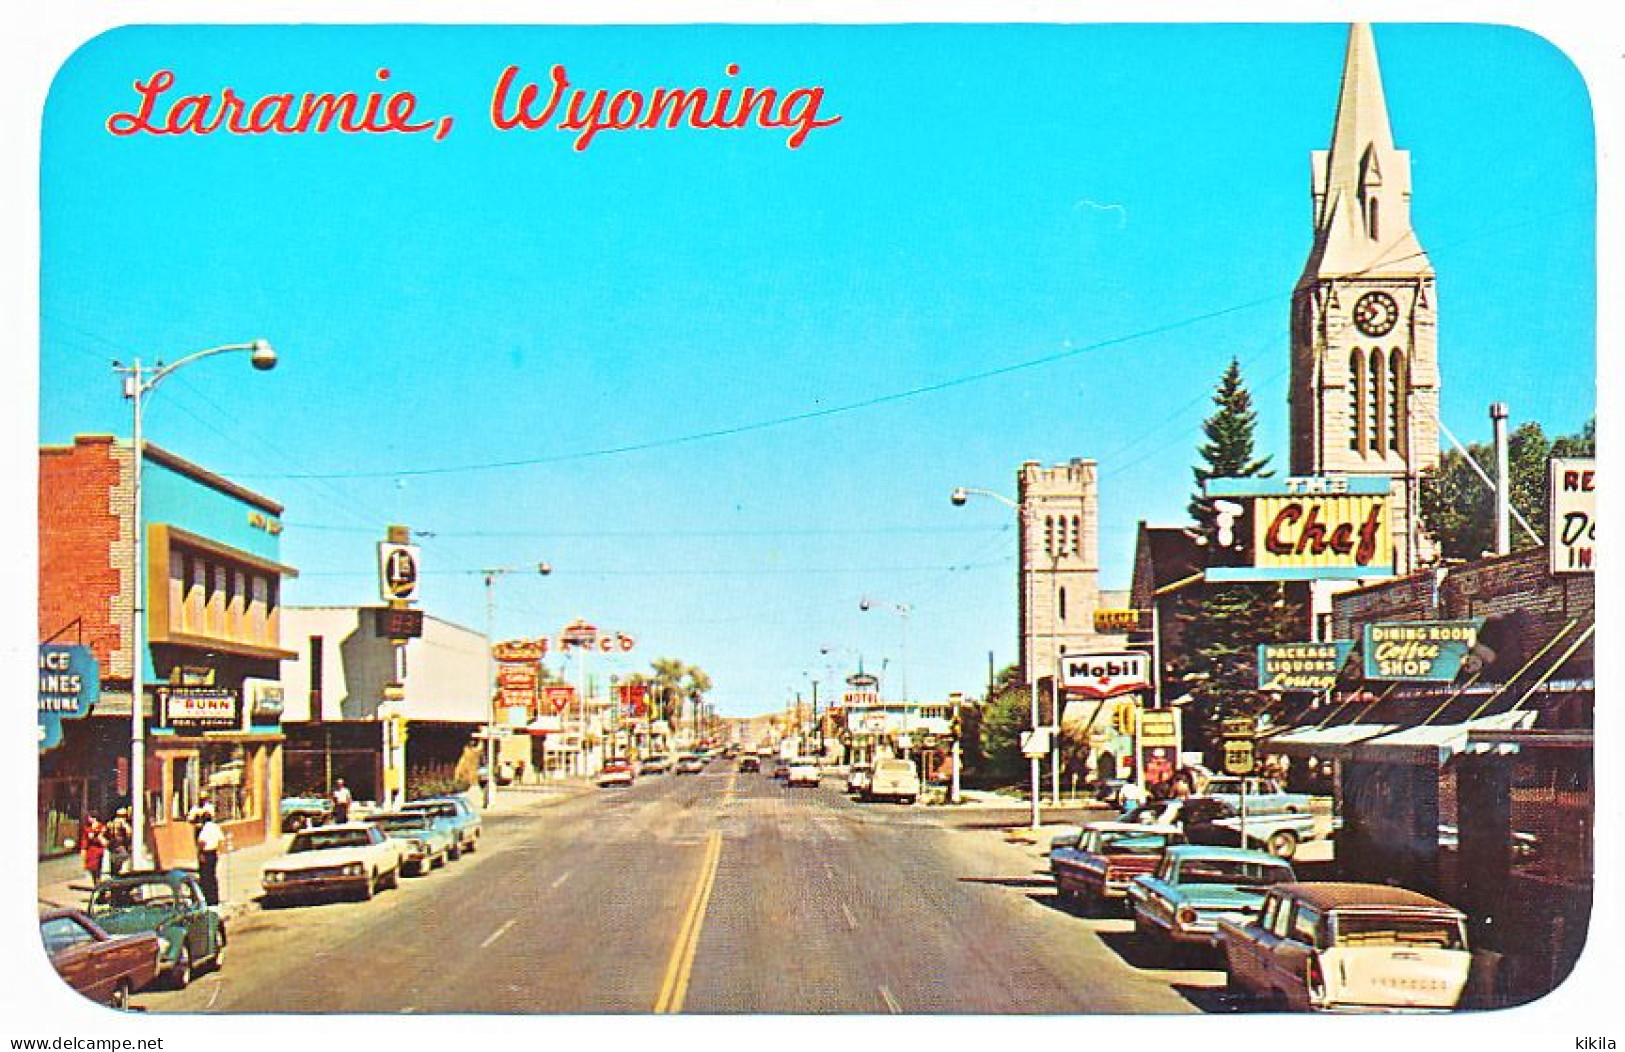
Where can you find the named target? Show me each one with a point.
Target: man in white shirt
(210, 840)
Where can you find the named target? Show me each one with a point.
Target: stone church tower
(1364, 390)
(1059, 575)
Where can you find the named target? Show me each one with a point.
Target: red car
(617, 772)
(1105, 858)
(103, 967)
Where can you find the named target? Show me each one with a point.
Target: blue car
(1195, 887)
(456, 815)
(170, 904)
(425, 837)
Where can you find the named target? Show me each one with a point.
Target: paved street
(720, 892)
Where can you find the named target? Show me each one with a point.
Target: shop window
(224, 774)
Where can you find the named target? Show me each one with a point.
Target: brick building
(1480, 790)
(212, 595)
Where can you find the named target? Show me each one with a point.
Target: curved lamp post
(139, 381)
(960, 496)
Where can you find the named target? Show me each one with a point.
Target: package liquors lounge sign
(1301, 666)
(1418, 651)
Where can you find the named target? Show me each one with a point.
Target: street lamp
(491, 576)
(901, 610)
(960, 496)
(139, 381)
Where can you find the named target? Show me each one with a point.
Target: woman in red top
(92, 848)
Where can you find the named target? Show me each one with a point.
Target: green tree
(1226, 622)
(1458, 506)
(1004, 718)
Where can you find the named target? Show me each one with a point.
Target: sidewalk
(62, 881)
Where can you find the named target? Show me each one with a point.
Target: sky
(724, 387)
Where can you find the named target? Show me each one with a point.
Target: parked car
(425, 842)
(1208, 820)
(690, 764)
(893, 779)
(1348, 948)
(300, 811)
(100, 965)
(749, 764)
(1098, 862)
(616, 772)
(657, 763)
(457, 815)
(781, 768)
(802, 772)
(1264, 795)
(1196, 886)
(857, 777)
(170, 904)
(355, 857)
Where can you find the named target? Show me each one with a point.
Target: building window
(1077, 533)
(196, 584)
(1396, 397)
(1373, 413)
(316, 678)
(1049, 535)
(1062, 600)
(1371, 223)
(1356, 388)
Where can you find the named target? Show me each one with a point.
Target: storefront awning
(1324, 742)
(1436, 743)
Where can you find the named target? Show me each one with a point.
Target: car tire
(180, 976)
(455, 852)
(1283, 843)
(369, 887)
(219, 960)
(473, 843)
(120, 997)
(393, 879)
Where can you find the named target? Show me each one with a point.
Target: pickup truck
(1264, 795)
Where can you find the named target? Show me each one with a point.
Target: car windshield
(449, 810)
(399, 821)
(111, 897)
(1388, 930)
(322, 839)
(1232, 871)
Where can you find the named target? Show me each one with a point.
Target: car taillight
(1186, 916)
(1313, 977)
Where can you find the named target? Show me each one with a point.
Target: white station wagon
(1349, 948)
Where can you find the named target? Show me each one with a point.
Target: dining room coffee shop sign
(1423, 651)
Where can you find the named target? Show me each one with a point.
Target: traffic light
(956, 726)
(1123, 717)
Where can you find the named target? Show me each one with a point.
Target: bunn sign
(69, 683)
(1301, 529)
(1301, 666)
(1573, 515)
(1106, 675)
(200, 708)
(1418, 651)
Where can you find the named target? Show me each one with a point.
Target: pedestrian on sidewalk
(119, 837)
(92, 848)
(341, 802)
(210, 839)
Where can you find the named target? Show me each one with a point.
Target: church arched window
(1397, 393)
(1356, 390)
(1373, 412)
(1371, 219)
(1077, 543)
(1062, 600)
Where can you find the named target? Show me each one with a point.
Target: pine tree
(1226, 622)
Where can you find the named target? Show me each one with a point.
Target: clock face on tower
(1376, 313)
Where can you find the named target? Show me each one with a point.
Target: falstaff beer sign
(1301, 666)
(1301, 529)
(1428, 651)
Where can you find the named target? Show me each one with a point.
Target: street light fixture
(139, 381)
(960, 497)
(491, 575)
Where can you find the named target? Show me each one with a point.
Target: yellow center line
(678, 969)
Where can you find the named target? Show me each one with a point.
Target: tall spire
(1362, 185)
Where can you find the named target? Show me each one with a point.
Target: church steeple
(1362, 185)
(1364, 392)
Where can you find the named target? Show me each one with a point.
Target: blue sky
(993, 196)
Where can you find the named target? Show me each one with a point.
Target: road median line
(675, 985)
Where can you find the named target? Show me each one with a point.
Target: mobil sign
(1106, 674)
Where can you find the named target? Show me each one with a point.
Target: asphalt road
(712, 893)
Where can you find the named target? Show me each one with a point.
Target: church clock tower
(1365, 377)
